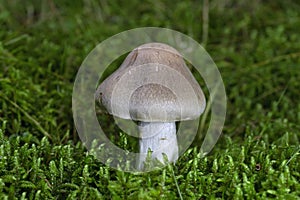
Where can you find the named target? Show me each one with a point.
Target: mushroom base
(159, 138)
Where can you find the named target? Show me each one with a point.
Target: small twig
(293, 156)
(46, 180)
(16, 39)
(275, 59)
(205, 22)
(176, 183)
(277, 103)
(36, 123)
(283, 92)
(212, 96)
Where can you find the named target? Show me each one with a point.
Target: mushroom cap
(153, 84)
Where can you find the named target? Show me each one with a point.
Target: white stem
(159, 137)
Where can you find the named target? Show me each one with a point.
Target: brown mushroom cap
(153, 84)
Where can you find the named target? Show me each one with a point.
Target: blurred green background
(256, 46)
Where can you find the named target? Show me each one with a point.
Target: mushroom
(155, 88)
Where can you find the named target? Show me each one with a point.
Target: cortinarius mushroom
(154, 87)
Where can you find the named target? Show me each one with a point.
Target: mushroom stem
(159, 137)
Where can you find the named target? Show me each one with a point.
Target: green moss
(256, 47)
